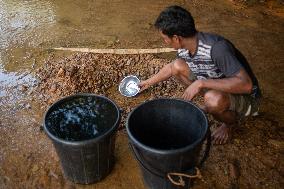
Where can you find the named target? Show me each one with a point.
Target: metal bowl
(129, 86)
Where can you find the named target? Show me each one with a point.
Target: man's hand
(192, 90)
(143, 86)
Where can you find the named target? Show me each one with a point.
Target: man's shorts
(244, 104)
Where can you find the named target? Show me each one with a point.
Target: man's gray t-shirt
(217, 58)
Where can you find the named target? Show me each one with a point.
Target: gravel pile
(101, 74)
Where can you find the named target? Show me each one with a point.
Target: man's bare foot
(221, 135)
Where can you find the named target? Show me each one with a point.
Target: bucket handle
(181, 181)
(148, 167)
(159, 173)
(181, 176)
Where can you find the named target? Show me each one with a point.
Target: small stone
(6, 179)
(237, 141)
(53, 88)
(41, 129)
(51, 173)
(30, 92)
(276, 143)
(128, 62)
(35, 168)
(149, 25)
(28, 106)
(60, 72)
(152, 71)
(34, 63)
(23, 88)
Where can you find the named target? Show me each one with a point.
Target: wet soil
(35, 78)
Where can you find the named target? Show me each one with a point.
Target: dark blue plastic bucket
(166, 136)
(82, 128)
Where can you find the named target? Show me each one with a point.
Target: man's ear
(175, 38)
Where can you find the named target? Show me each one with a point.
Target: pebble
(276, 143)
(23, 88)
(51, 173)
(35, 168)
(28, 106)
(60, 72)
(237, 141)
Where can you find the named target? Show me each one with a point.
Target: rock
(276, 143)
(237, 141)
(28, 106)
(6, 179)
(51, 173)
(152, 71)
(128, 62)
(60, 73)
(23, 88)
(34, 63)
(112, 41)
(53, 88)
(41, 129)
(30, 92)
(35, 168)
(149, 26)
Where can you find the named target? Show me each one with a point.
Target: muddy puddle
(33, 75)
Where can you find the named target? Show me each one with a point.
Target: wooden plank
(118, 51)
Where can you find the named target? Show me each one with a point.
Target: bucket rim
(82, 142)
(160, 151)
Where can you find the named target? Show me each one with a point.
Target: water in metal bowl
(129, 86)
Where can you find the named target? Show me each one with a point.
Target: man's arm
(162, 75)
(237, 84)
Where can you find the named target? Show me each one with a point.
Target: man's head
(174, 23)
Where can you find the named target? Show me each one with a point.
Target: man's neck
(190, 44)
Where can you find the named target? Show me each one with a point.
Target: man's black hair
(175, 20)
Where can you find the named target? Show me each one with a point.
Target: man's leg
(181, 71)
(218, 104)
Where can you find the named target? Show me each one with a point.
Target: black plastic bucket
(82, 128)
(166, 136)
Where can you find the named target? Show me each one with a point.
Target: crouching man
(207, 64)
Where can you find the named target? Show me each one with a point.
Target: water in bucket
(81, 119)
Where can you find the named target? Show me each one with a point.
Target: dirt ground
(253, 159)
